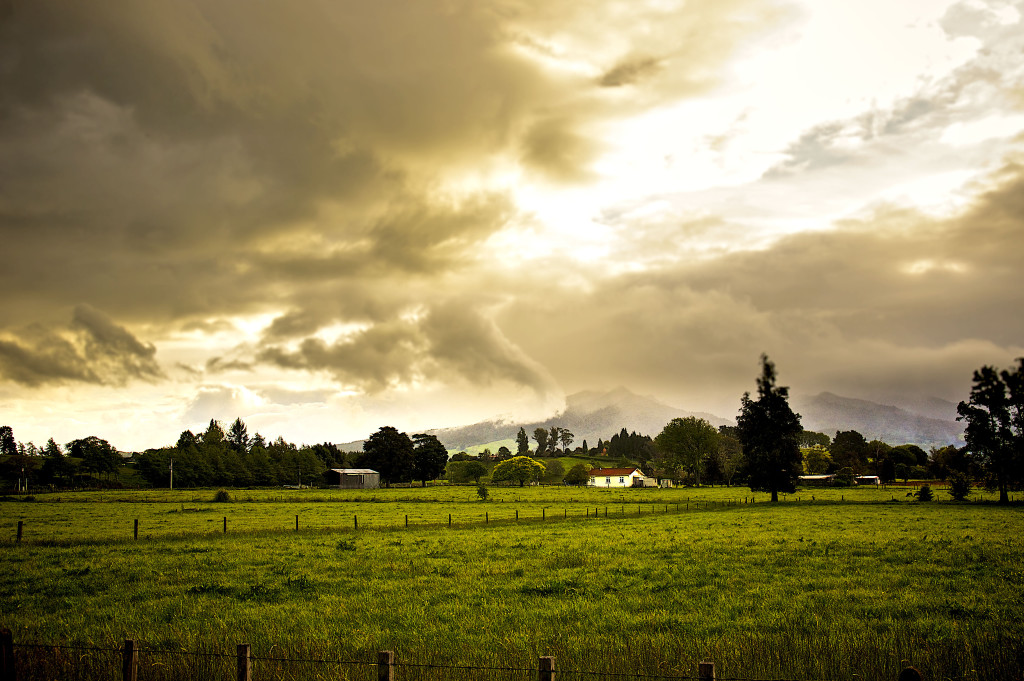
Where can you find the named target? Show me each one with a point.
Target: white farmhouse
(620, 477)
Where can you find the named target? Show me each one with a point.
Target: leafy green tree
(770, 434)
(816, 459)
(553, 441)
(464, 471)
(522, 443)
(8, 445)
(391, 454)
(521, 469)
(994, 415)
(541, 436)
(577, 475)
(97, 455)
(504, 453)
(429, 457)
(686, 443)
(946, 460)
(554, 471)
(730, 457)
(849, 449)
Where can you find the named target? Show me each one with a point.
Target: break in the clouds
(391, 208)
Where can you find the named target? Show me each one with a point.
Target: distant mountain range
(592, 415)
(589, 415)
(595, 415)
(828, 413)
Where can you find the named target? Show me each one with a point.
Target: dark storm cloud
(449, 340)
(92, 350)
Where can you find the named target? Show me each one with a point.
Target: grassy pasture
(110, 515)
(799, 590)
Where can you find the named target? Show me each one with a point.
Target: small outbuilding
(353, 478)
(817, 480)
(867, 480)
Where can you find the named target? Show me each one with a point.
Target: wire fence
(134, 662)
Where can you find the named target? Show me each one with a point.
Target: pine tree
(769, 432)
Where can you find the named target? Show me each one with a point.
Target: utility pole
(172, 473)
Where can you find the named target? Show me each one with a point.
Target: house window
(607, 481)
(621, 480)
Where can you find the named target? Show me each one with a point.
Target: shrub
(222, 496)
(959, 485)
(482, 492)
(925, 493)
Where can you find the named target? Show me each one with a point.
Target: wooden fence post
(385, 665)
(6, 655)
(225, 524)
(296, 522)
(487, 517)
(355, 522)
(20, 523)
(543, 514)
(517, 515)
(547, 669)
(244, 662)
(136, 529)
(130, 661)
(706, 671)
(449, 520)
(407, 520)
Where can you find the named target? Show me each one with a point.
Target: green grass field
(849, 588)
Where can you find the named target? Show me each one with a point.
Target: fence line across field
(619, 510)
(590, 512)
(386, 664)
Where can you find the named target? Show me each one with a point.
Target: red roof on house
(613, 471)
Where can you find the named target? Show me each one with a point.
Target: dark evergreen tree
(238, 436)
(8, 445)
(769, 432)
(541, 436)
(522, 443)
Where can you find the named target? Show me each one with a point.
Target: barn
(353, 478)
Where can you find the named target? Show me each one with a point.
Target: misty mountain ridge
(828, 413)
(591, 415)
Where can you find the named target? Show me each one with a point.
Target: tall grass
(800, 590)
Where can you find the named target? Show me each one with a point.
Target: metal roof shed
(353, 478)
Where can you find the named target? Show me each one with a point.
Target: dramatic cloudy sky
(325, 216)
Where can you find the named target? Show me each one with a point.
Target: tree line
(768, 450)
